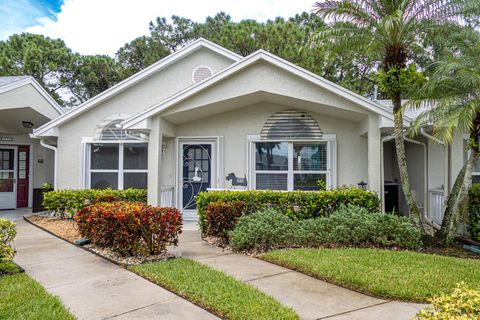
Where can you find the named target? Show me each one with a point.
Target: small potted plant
(38, 196)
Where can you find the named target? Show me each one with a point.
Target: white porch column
(154, 162)
(374, 156)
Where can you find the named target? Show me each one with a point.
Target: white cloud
(103, 26)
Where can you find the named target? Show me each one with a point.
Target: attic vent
(201, 73)
(290, 125)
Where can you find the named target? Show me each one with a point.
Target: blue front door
(197, 166)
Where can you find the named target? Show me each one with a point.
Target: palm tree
(453, 92)
(387, 30)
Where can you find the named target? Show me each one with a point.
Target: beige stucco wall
(137, 98)
(235, 125)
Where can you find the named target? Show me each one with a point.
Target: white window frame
(120, 171)
(330, 173)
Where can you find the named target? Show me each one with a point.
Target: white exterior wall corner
(374, 155)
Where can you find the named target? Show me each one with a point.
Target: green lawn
(213, 290)
(401, 275)
(23, 298)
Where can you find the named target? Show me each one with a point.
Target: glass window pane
(475, 179)
(6, 182)
(104, 180)
(271, 181)
(6, 159)
(104, 156)
(271, 156)
(476, 167)
(307, 181)
(310, 157)
(135, 180)
(135, 156)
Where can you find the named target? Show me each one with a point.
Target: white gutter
(54, 149)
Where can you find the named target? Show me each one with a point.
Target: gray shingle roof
(8, 80)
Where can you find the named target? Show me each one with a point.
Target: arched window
(292, 153)
(118, 158)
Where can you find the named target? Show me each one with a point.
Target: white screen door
(7, 177)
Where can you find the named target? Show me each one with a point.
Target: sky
(103, 26)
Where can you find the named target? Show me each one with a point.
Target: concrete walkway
(91, 287)
(309, 297)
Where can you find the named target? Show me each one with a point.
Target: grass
(400, 275)
(213, 290)
(23, 298)
(8, 267)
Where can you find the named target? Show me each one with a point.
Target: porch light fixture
(362, 185)
(27, 124)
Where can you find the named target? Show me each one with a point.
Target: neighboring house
(186, 122)
(24, 164)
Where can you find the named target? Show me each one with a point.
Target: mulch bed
(67, 230)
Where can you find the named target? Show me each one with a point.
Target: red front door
(22, 176)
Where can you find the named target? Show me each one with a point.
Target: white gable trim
(125, 84)
(31, 81)
(257, 56)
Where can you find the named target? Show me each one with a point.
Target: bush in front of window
(348, 226)
(294, 204)
(222, 216)
(68, 202)
(130, 228)
(474, 211)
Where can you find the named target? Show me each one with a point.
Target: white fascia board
(36, 86)
(130, 81)
(259, 55)
(51, 132)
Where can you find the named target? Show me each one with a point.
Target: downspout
(54, 149)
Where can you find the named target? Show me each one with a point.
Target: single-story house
(205, 117)
(24, 163)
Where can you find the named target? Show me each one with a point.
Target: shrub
(294, 204)
(70, 201)
(7, 235)
(348, 226)
(130, 228)
(474, 211)
(462, 303)
(262, 230)
(222, 216)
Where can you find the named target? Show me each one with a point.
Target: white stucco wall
(137, 98)
(235, 125)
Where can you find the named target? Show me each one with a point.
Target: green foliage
(348, 226)
(294, 204)
(70, 201)
(462, 303)
(21, 297)
(130, 228)
(474, 211)
(389, 274)
(213, 290)
(263, 230)
(406, 80)
(7, 235)
(8, 268)
(222, 216)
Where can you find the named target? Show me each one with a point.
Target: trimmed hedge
(70, 201)
(348, 226)
(474, 211)
(130, 228)
(294, 204)
(222, 216)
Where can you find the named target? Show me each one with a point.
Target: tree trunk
(414, 213)
(457, 200)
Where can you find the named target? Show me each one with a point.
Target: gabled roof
(134, 79)
(14, 82)
(244, 63)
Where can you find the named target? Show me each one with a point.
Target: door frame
(216, 167)
(15, 172)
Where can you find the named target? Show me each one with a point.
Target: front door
(7, 177)
(196, 175)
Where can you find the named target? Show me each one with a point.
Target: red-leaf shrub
(130, 228)
(222, 216)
